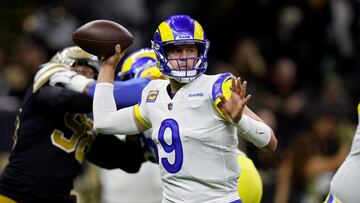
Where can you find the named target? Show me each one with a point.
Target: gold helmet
(74, 55)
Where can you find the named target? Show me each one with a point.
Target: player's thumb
(222, 98)
(118, 53)
(118, 49)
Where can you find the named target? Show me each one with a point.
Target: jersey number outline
(81, 138)
(175, 145)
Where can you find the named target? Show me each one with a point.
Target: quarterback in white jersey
(196, 118)
(200, 156)
(344, 187)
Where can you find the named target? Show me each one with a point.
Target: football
(99, 37)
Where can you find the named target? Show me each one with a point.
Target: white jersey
(355, 147)
(197, 148)
(345, 184)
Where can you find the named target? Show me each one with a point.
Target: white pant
(346, 182)
(142, 187)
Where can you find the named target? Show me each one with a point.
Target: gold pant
(4, 199)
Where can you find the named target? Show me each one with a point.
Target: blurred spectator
(287, 99)
(3, 85)
(10, 81)
(248, 61)
(52, 23)
(305, 172)
(87, 185)
(30, 54)
(342, 18)
(333, 95)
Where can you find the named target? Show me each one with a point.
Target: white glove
(71, 80)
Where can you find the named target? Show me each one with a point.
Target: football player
(196, 119)
(344, 185)
(54, 134)
(142, 64)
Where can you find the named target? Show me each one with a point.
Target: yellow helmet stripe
(198, 31)
(130, 60)
(165, 32)
(359, 108)
(127, 65)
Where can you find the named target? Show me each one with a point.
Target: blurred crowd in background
(300, 58)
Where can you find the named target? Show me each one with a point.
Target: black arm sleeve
(57, 98)
(110, 152)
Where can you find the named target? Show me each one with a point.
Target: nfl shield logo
(170, 106)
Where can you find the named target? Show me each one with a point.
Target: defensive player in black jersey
(54, 134)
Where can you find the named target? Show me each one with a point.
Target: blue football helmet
(139, 64)
(178, 30)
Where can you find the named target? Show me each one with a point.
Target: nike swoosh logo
(260, 133)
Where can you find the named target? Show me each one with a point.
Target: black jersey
(53, 135)
(50, 144)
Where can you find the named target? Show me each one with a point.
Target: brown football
(99, 37)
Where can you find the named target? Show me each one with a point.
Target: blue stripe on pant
(236, 201)
(331, 198)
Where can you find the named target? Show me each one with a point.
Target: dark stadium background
(301, 59)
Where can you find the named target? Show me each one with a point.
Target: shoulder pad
(45, 72)
(222, 86)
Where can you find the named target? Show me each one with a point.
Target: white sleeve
(107, 119)
(254, 131)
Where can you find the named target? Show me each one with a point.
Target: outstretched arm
(126, 93)
(248, 124)
(106, 119)
(62, 100)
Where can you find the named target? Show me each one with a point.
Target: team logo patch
(152, 95)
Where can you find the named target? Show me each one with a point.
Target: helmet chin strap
(184, 76)
(184, 80)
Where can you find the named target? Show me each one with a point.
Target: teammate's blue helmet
(140, 64)
(178, 30)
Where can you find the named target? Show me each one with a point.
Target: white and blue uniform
(197, 147)
(345, 184)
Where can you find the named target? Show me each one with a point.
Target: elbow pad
(106, 119)
(120, 122)
(254, 131)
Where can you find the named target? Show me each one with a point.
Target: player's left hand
(237, 101)
(70, 80)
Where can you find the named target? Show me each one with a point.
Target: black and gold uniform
(53, 135)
